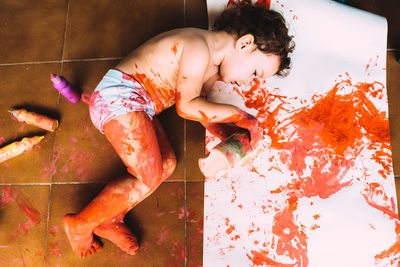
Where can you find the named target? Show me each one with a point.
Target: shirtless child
(176, 67)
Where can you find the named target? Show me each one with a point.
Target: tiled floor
(81, 40)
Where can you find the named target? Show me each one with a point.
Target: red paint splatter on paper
(376, 197)
(262, 3)
(391, 254)
(323, 139)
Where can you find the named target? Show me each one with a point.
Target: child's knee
(149, 175)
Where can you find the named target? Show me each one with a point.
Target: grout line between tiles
(185, 164)
(185, 189)
(55, 138)
(60, 61)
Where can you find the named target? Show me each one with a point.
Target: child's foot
(81, 241)
(117, 232)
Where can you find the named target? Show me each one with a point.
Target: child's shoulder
(186, 36)
(178, 40)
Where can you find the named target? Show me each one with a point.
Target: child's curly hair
(267, 26)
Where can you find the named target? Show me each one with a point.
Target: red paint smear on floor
(177, 256)
(85, 98)
(54, 249)
(23, 204)
(163, 237)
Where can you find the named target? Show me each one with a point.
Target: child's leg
(134, 138)
(115, 229)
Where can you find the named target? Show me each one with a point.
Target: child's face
(246, 62)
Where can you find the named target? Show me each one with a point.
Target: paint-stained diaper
(117, 94)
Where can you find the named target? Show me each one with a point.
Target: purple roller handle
(65, 88)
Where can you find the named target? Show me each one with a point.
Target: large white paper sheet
(320, 190)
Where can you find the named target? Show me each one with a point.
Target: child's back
(156, 63)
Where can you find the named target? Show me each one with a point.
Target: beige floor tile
(113, 28)
(174, 129)
(28, 87)
(393, 88)
(194, 221)
(195, 149)
(31, 31)
(196, 14)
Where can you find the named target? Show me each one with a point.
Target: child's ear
(245, 43)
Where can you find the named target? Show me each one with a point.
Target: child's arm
(191, 105)
(220, 130)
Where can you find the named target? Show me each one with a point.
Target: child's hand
(221, 130)
(250, 123)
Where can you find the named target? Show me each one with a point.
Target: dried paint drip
(35, 119)
(17, 148)
(62, 85)
(225, 155)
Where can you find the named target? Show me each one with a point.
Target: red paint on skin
(177, 256)
(174, 48)
(162, 97)
(85, 98)
(203, 116)
(136, 139)
(54, 249)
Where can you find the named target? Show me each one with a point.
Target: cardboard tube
(35, 119)
(225, 155)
